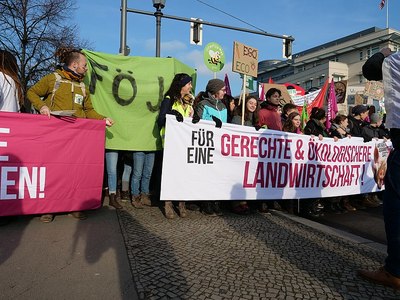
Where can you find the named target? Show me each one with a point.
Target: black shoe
(207, 208)
(217, 208)
(192, 206)
(263, 208)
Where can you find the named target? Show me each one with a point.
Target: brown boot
(136, 202)
(381, 276)
(145, 199)
(169, 210)
(113, 201)
(182, 210)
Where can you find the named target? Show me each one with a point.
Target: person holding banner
(250, 119)
(178, 101)
(11, 94)
(316, 125)
(210, 108)
(269, 113)
(357, 119)
(386, 66)
(64, 90)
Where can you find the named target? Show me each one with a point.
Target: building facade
(341, 59)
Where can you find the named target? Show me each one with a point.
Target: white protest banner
(202, 162)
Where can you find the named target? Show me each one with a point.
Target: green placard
(129, 89)
(214, 57)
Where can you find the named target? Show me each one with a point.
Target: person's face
(364, 115)
(274, 99)
(296, 121)
(232, 105)
(251, 105)
(186, 89)
(80, 66)
(344, 123)
(220, 94)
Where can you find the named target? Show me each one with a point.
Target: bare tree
(32, 30)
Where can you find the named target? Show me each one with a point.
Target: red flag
(319, 100)
(382, 4)
(332, 105)
(270, 81)
(261, 92)
(227, 85)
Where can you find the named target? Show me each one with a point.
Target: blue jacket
(209, 107)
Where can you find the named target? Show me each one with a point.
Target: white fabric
(391, 84)
(238, 170)
(8, 94)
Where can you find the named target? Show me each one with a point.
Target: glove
(178, 115)
(218, 122)
(258, 127)
(195, 119)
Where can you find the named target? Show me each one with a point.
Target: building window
(372, 50)
(361, 55)
(321, 81)
(360, 78)
(308, 85)
(335, 58)
(351, 100)
(337, 78)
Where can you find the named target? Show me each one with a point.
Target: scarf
(71, 75)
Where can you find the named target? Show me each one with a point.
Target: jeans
(126, 175)
(143, 163)
(111, 162)
(391, 212)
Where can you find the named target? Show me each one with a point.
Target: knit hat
(214, 85)
(375, 118)
(185, 80)
(358, 110)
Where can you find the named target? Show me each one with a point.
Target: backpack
(59, 80)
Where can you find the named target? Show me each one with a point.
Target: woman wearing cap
(356, 120)
(178, 101)
(373, 130)
(211, 107)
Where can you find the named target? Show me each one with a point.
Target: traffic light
(288, 48)
(196, 32)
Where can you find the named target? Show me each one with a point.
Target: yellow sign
(245, 59)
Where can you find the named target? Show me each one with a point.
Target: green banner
(129, 90)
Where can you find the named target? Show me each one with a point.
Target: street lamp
(158, 4)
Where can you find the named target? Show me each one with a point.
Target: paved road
(367, 223)
(261, 256)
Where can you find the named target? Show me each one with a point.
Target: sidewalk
(261, 256)
(65, 259)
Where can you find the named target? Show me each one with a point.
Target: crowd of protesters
(211, 104)
(214, 104)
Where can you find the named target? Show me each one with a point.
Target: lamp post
(158, 4)
(123, 48)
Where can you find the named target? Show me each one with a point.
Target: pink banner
(50, 165)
